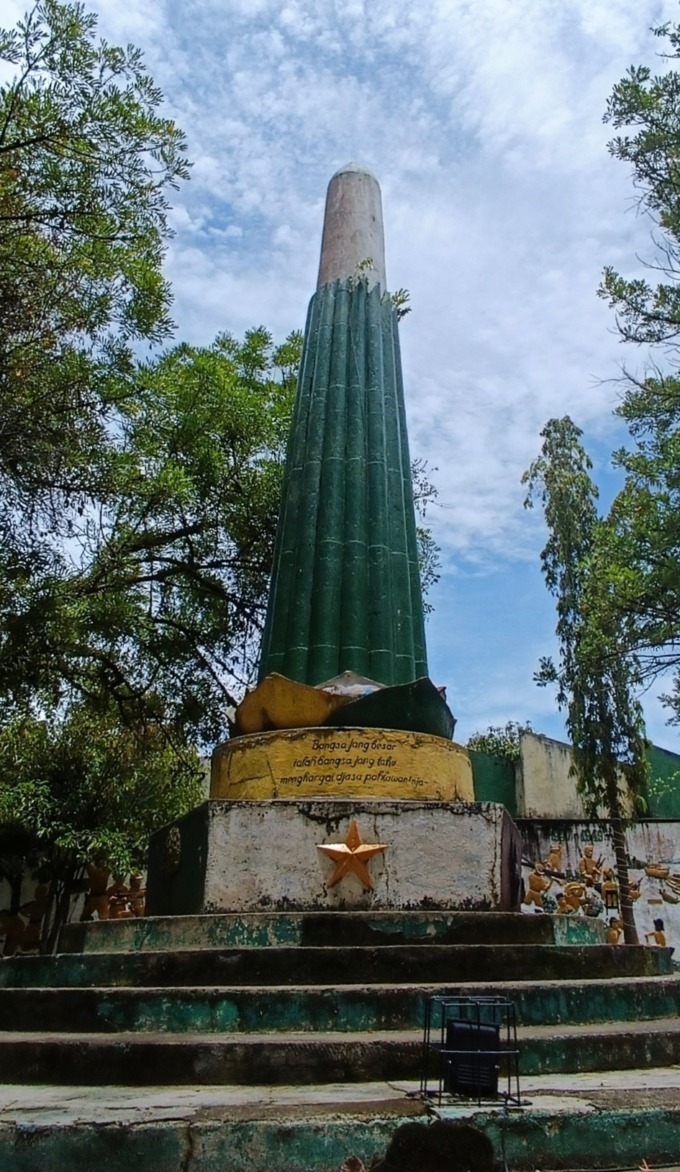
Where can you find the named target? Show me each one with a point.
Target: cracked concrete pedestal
(254, 856)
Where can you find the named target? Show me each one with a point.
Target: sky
(482, 120)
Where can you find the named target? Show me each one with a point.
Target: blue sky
(482, 119)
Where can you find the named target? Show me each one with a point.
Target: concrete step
(137, 1059)
(603, 1120)
(269, 929)
(618, 1045)
(414, 963)
(345, 1008)
(584, 1121)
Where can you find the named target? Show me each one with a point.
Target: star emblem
(350, 856)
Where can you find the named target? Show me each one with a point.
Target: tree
(161, 609)
(424, 494)
(595, 676)
(134, 539)
(157, 620)
(137, 500)
(85, 162)
(82, 788)
(116, 660)
(500, 740)
(644, 529)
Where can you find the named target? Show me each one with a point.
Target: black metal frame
(472, 1042)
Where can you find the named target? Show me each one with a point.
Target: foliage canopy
(137, 498)
(500, 740)
(595, 676)
(641, 543)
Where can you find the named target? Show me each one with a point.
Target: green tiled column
(345, 591)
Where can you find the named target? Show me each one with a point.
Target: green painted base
(530, 1139)
(527, 1139)
(318, 1145)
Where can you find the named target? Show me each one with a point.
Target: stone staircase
(308, 1002)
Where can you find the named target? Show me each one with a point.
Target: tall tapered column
(345, 592)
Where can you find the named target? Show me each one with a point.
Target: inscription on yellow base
(339, 763)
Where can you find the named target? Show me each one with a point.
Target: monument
(340, 785)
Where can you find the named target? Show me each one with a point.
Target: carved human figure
(589, 867)
(554, 859)
(539, 883)
(574, 896)
(658, 935)
(97, 898)
(137, 896)
(119, 902)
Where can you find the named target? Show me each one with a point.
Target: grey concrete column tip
(353, 243)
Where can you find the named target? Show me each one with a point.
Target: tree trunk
(58, 909)
(630, 934)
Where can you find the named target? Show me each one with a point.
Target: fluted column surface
(345, 592)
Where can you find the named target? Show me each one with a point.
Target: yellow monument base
(341, 763)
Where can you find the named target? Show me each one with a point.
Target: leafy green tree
(643, 540)
(126, 651)
(595, 677)
(136, 503)
(425, 493)
(83, 788)
(158, 618)
(617, 578)
(500, 740)
(162, 608)
(85, 163)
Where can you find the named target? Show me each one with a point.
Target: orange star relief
(350, 856)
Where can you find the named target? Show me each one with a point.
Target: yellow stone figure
(589, 867)
(574, 896)
(538, 885)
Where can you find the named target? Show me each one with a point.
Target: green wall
(494, 780)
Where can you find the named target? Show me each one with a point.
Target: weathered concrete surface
(269, 929)
(174, 1010)
(546, 785)
(386, 964)
(353, 228)
(341, 763)
(147, 1059)
(256, 856)
(585, 1121)
(273, 1058)
(349, 1008)
(577, 1048)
